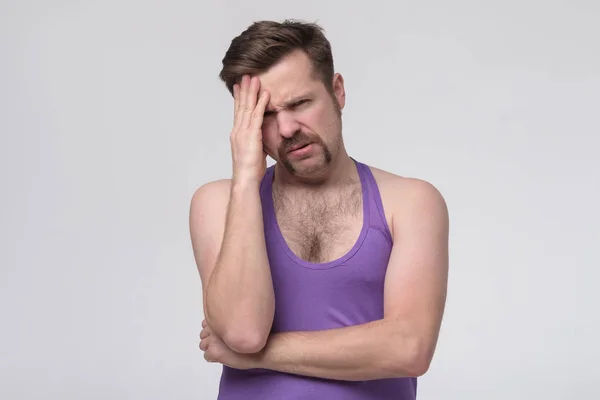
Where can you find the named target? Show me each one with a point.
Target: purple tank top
(344, 292)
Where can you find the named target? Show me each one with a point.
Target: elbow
(243, 341)
(241, 338)
(418, 368)
(414, 361)
(246, 342)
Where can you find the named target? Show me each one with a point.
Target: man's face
(302, 123)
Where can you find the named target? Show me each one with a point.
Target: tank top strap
(266, 198)
(375, 206)
(373, 203)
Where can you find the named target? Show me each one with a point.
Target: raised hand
(249, 158)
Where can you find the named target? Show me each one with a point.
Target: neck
(338, 173)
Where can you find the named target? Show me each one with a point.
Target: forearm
(239, 295)
(376, 350)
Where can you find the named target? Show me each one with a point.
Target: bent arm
(230, 252)
(401, 344)
(376, 350)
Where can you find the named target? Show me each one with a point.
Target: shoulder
(408, 199)
(208, 205)
(211, 192)
(208, 212)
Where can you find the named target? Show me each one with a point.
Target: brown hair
(264, 43)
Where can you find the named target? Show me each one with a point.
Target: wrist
(243, 183)
(261, 359)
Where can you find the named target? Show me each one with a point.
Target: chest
(320, 228)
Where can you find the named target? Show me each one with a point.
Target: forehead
(290, 78)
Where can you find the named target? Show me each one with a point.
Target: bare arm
(403, 342)
(230, 251)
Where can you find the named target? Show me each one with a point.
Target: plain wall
(112, 115)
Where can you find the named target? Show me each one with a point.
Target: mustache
(297, 138)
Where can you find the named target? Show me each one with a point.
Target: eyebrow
(291, 102)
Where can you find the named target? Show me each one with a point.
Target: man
(322, 277)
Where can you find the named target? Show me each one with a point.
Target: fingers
(246, 100)
(203, 345)
(239, 97)
(204, 333)
(253, 86)
(243, 95)
(252, 93)
(236, 101)
(243, 100)
(259, 110)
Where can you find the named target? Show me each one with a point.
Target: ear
(338, 89)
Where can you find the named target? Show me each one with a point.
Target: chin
(307, 168)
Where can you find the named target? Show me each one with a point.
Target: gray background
(111, 115)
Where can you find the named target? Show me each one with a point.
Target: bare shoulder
(208, 209)
(211, 193)
(209, 204)
(408, 199)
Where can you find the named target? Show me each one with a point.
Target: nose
(287, 124)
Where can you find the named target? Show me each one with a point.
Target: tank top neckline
(274, 225)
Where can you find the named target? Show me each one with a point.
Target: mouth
(298, 147)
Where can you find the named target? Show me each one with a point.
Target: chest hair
(317, 226)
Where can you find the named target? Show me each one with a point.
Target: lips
(297, 147)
